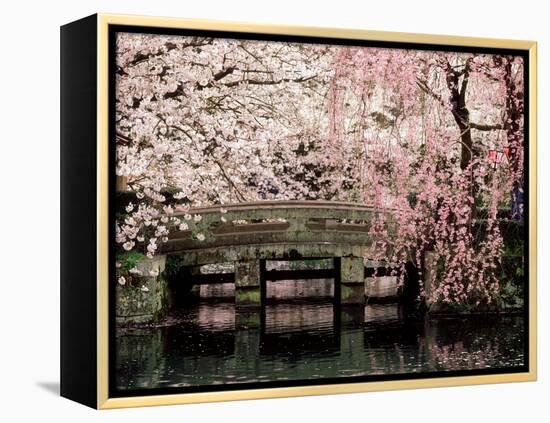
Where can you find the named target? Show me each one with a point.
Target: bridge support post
(248, 283)
(352, 280)
(195, 290)
(148, 300)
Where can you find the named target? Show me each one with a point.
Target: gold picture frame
(100, 360)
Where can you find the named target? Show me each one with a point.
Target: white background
(29, 210)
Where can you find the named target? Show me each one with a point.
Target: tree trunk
(460, 112)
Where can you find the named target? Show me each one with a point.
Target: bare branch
(223, 73)
(122, 139)
(257, 82)
(423, 85)
(484, 127)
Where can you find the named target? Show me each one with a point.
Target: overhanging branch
(267, 82)
(483, 127)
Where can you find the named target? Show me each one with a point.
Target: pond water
(211, 344)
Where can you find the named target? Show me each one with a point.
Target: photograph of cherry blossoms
(291, 212)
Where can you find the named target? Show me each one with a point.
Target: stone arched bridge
(251, 233)
(280, 230)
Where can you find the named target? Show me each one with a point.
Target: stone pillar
(248, 290)
(147, 300)
(195, 290)
(352, 280)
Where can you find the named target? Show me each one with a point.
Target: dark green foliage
(173, 266)
(129, 260)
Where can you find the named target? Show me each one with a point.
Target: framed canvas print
(255, 211)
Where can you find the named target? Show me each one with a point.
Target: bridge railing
(287, 209)
(269, 222)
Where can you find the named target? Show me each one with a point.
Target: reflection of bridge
(305, 342)
(251, 233)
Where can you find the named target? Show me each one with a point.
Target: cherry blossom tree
(215, 121)
(429, 119)
(204, 121)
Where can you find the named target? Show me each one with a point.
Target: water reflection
(212, 344)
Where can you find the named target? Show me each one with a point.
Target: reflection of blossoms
(457, 357)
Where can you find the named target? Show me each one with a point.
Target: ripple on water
(212, 344)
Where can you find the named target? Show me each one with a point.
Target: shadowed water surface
(211, 344)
